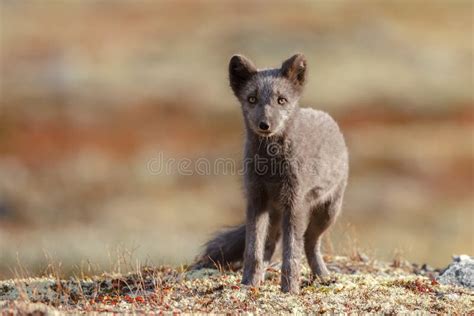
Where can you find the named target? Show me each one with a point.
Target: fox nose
(264, 126)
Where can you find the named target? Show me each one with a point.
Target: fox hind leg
(322, 216)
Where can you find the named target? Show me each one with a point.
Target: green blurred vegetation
(91, 91)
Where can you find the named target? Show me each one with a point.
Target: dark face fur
(269, 97)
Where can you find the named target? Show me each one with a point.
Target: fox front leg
(293, 227)
(255, 235)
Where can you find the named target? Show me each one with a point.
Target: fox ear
(241, 69)
(294, 68)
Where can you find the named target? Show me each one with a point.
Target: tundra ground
(356, 285)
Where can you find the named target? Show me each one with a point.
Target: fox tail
(224, 251)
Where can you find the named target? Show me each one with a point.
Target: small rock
(461, 258)
(460, 272)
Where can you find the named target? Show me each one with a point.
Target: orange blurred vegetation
(91, 91)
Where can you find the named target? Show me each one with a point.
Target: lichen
(361, 287)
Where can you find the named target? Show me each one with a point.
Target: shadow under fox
(296, 169)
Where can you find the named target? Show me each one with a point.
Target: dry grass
(360, 285)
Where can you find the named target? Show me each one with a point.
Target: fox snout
(265, 119)
(265, 122)
(264, 126)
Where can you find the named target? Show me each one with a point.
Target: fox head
(268, 97)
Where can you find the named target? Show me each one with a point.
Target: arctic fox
(295, 176)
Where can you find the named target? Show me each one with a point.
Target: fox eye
(252, 100)
(282, 100)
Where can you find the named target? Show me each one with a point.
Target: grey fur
(295, 177)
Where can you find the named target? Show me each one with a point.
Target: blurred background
(93, 91)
